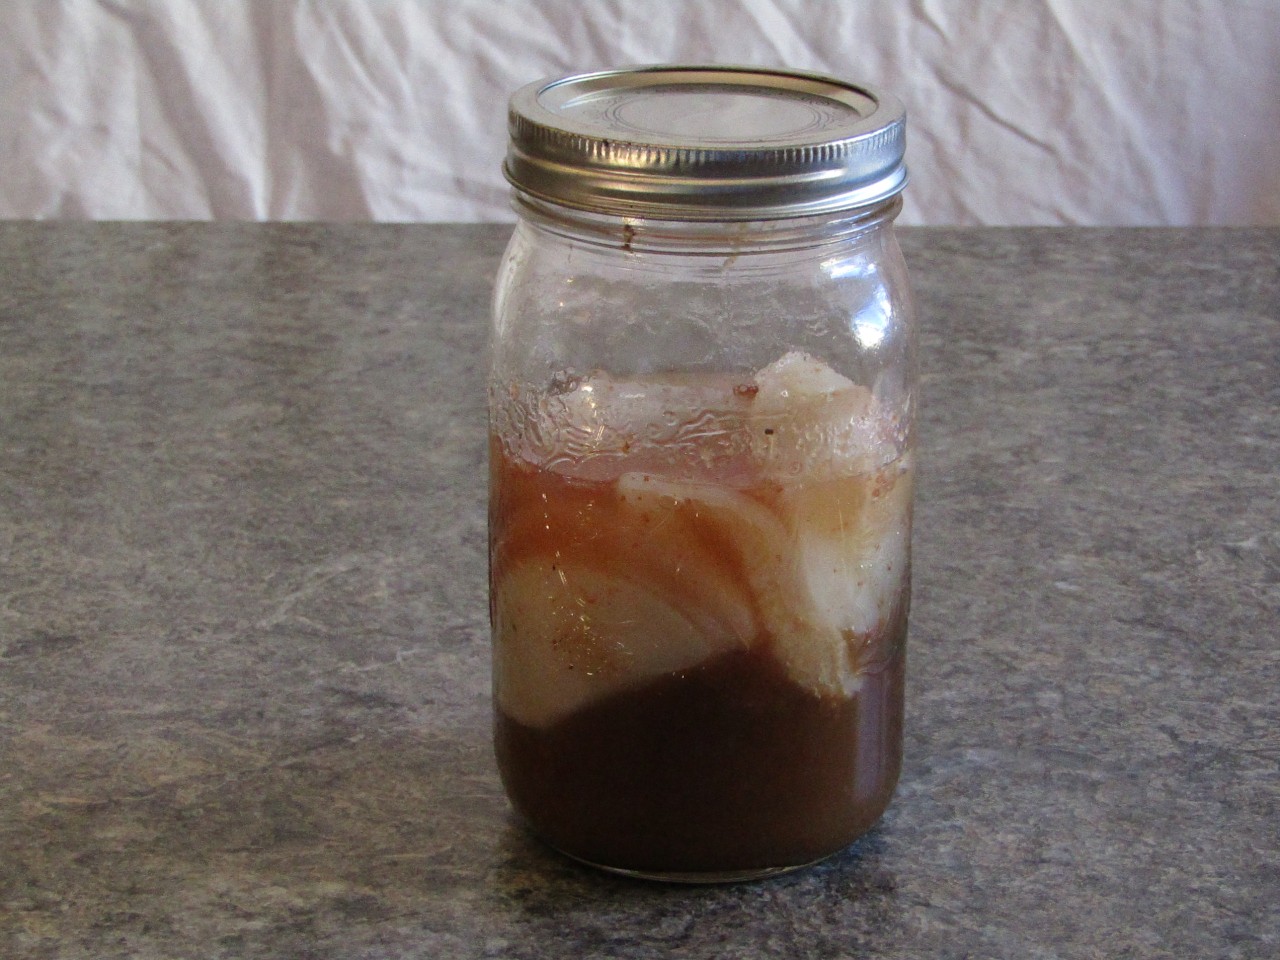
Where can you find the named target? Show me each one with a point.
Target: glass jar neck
(710, 237)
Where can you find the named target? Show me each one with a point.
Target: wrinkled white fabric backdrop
(1021, 112)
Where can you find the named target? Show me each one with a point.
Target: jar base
(697, 877)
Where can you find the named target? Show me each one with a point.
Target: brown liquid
(728, 767)
(727, 761)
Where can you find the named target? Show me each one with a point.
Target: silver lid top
(706, 143)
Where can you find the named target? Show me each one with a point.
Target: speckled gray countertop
(243, 656)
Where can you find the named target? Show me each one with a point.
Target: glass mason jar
(702, 403)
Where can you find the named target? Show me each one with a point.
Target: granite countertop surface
(244, 680)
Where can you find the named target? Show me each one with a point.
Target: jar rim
(706, 142)
(702, 237)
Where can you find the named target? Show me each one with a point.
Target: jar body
(700, 510)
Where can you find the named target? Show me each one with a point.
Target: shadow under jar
(702, 406)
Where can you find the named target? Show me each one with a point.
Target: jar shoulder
(562, 303)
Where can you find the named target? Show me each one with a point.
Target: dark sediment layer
(730, 766)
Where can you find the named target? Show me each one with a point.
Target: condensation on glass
(702, 407)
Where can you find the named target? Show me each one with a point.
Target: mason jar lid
(706, 143)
